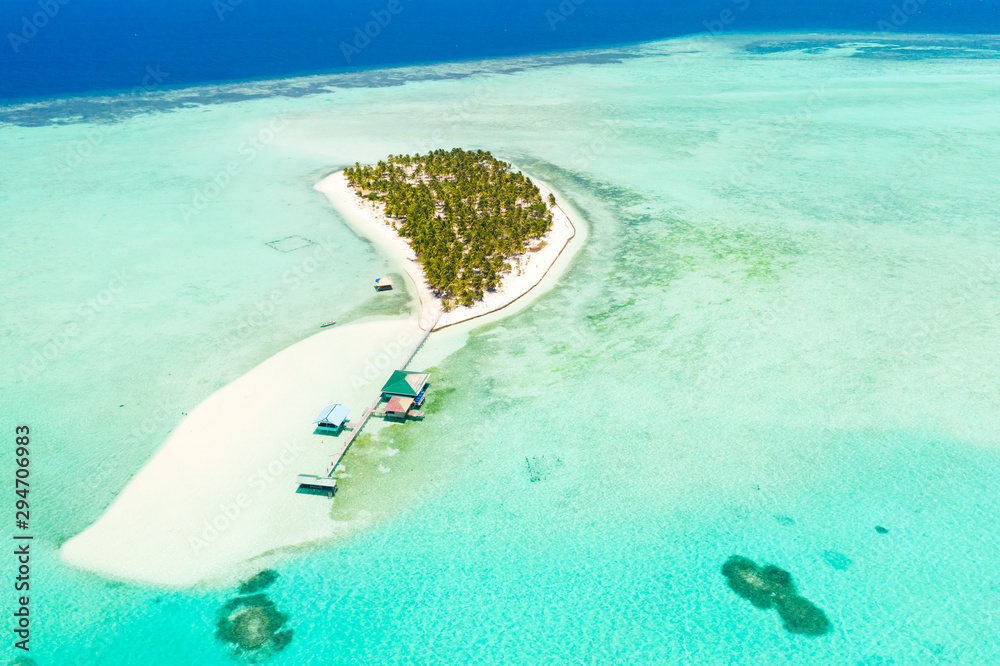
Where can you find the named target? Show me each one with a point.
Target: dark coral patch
(252, 627)
(759, 585)
(772, 587)
(802, 616)
(258, 582)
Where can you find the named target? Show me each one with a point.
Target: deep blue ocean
(66, 47)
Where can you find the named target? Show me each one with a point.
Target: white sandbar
(221, 490)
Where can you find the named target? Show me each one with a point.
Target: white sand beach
(217, 501)
(369, 219)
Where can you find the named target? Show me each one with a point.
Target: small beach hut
(383, 284)
(398, 408)
(332, 418)
(406, 384)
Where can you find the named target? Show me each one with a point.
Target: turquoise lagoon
(783, 331)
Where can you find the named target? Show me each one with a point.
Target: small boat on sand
(329, 323)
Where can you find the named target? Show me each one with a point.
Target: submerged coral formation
(251, 625)
(772, 587)
(802, 616)
(759, 585)
(258, 582)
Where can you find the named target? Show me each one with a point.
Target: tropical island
(473, 233)
(467, 215)
(239, 452)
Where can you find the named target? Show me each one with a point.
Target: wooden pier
(357, 427)
(420, 342)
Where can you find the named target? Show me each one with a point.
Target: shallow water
(782, 332)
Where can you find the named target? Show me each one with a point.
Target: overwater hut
(332, 418)
(406, 384)
(383, 284)
(398, 408)
(317, 483)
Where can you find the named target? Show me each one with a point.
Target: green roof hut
(406, 385)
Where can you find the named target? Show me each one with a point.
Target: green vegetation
(467, 215)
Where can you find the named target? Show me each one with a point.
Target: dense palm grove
(466, 213)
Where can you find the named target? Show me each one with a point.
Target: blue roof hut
(332, 418)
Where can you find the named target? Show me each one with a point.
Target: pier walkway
(360, 425)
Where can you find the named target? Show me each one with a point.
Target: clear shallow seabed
(784, 331)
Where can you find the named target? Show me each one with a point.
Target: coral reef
(258, 582)
(772, 587)
(759, 585)
(802, 616)
(252, 627)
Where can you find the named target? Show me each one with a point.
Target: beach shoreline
(368, 219)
